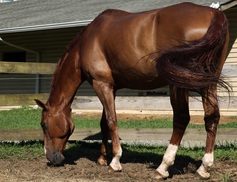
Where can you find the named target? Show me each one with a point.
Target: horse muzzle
(56, 158)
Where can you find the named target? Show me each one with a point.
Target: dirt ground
(85, 169)
(136, 167)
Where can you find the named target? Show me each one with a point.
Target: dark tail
(194, 66)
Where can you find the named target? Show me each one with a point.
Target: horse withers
(183, 46)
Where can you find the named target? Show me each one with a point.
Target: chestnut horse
(183, 46)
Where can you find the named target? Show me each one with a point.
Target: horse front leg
(211, 118)
(181, 118)
(102, 160)
(106, 95)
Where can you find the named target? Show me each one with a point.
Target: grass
(21, 151)
(28, 118)
(23, 118)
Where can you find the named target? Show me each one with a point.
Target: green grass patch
(28, 118)
(23, 118)
(22, 150)
(223, 152)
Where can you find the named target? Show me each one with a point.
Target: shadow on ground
(91, 151)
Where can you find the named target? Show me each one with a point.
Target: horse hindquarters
(211, 118)
(196, 67)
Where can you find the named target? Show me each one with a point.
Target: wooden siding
(230, 67)
(232, 18)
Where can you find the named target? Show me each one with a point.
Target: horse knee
(215, 117)
(212, 121)
(111, 124)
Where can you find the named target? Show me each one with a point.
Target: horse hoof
(159, 176)
(102, 162)
(203, 173)
(111, 170)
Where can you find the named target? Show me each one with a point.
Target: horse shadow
(91, 151)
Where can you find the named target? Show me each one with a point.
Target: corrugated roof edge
(225, 4)
(46, 26)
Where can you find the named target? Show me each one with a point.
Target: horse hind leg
(211, 118)
(181, 118)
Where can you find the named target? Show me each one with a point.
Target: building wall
(49, 44)
(230, 67)
(231, 14)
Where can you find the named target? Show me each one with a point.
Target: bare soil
(136, 167)
(85, 169)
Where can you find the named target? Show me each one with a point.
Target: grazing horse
(183, 46)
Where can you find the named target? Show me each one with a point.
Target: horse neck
(66, 80)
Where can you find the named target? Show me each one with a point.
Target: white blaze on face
(45, 151)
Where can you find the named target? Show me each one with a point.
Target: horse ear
(40, 104)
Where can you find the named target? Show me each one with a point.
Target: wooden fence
(27, 68)
(24, 68)
(192, 137)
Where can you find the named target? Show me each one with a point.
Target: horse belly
(142, 84)
(137, 79)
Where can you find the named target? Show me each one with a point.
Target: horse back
(127, 44)
(181, 22)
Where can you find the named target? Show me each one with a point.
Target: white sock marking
(115, 163)
(207, 161)
(168, 160)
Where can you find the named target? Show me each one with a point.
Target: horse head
(57, 127)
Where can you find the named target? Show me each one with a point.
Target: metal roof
(32, 15)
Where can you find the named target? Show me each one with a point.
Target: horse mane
(69, 47)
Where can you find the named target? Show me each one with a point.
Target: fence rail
(193, 137)
(24, 68)
(27, 68)
(21, 99)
